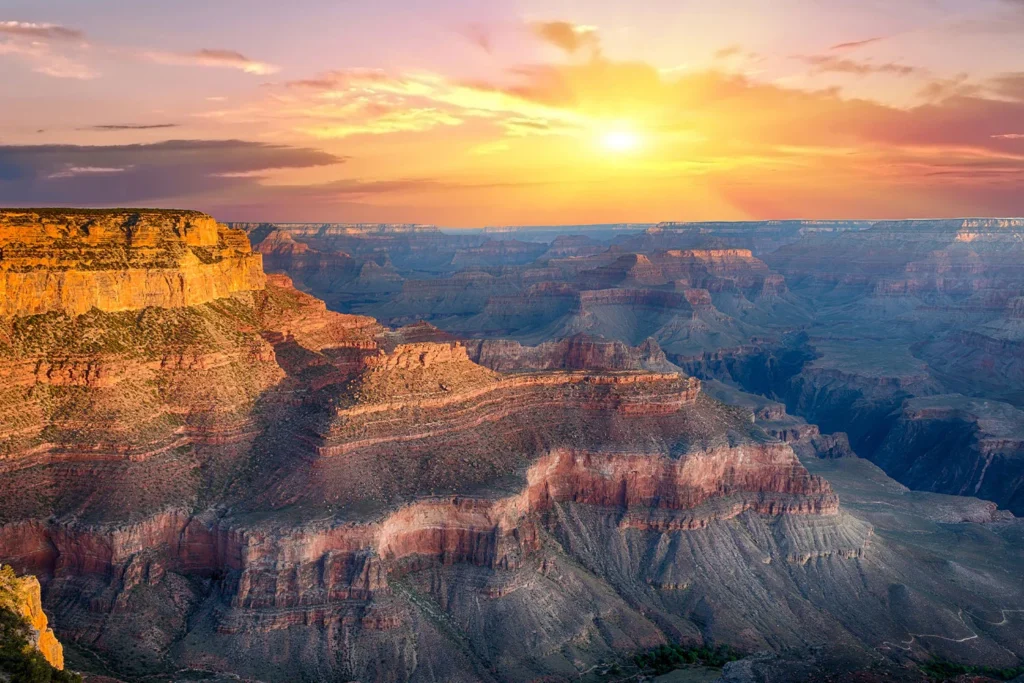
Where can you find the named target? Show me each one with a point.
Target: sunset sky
(470, 113)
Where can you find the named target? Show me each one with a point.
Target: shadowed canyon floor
(589, 452)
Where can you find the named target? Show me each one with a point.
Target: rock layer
(71, 262)
(21, 595)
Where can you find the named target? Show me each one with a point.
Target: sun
(620, 140)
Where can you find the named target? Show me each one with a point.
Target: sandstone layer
(72, 261)
(21, 595)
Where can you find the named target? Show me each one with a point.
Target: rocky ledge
(70, 261)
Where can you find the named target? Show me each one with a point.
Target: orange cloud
(567, 36)
(713, 144)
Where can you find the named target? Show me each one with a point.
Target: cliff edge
(21, 596)
(70, 261)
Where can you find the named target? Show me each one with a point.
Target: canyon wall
(72, 261)
(255, 485)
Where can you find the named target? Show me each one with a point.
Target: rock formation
(953, 444)
(889, 310)
(578, 352)
(252, 484)
(71, 262)
(21, 596)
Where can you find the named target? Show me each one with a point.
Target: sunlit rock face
(73, 261)
(21, 595)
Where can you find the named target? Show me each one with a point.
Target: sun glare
(620, 140)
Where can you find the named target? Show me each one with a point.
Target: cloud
(217, 58)
(55, 50)
(1010, 85)
(128, 174)
(479, 35)
(853, 45)
(834, 64)
(710, 129)
(26, 29)
(72, 171)
(567, 36)
(131, 126)
(41, 58)
(349, 102)
(397, 121)
(945, 88)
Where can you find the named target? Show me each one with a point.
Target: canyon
(409, 455)
(840, 321)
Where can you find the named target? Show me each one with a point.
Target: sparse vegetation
(20, 662)
(942, 670)
(665, 658)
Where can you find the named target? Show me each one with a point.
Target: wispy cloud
(27, 29)
(62, 52)
(42, 59)
(853, 45)
(217, 58)
(348, 102)
(72, 171)
(835, 64)
(479, 35)
(398, 121)
(131, 126)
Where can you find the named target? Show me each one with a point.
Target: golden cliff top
(73, 260)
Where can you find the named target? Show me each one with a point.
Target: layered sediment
(257, 485)
(579, 352)
(72, 261)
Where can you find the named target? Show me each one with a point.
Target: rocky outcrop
(151, 397)
(953, 444)
(498, 253)
(575, 246)
(21, 596)
(72, 261)
(579, 352)
(627, 270)
(421, 462)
